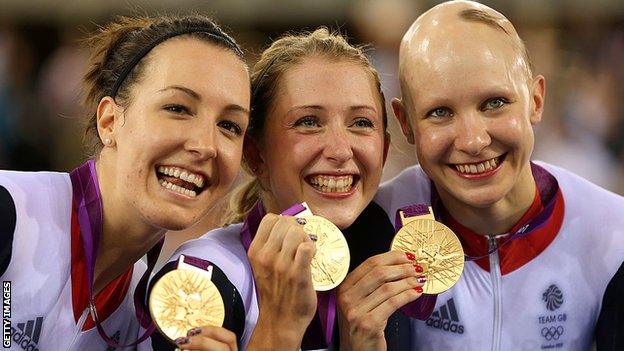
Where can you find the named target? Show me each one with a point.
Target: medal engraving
(183, 299)
(330, 264)
(436, 249)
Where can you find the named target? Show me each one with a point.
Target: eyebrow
(192, 93)
(319, 107)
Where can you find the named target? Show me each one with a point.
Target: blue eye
(440, 112)
(495, 103)
(307, 122)
(363, 123)
(231, 127)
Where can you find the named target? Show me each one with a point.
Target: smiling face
(471, 112)
(178, 144)
(323, 141)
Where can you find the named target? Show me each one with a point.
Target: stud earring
(108, 142)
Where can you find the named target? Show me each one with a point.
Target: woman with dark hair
(169, 101)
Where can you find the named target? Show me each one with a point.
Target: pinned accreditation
(186, 298)
(330, 264)
(435, 247)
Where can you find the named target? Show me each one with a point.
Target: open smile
(479, 169)
(182, 180)
(333, 184)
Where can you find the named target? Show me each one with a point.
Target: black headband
(212, 32)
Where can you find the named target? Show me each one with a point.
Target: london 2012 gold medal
(184, 299)
(330, 264)
(436, 248)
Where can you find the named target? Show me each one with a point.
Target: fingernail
(182, 340)
(422, 279)
(313, 237)
(418, 268)
(418, 289)
(194, 331)
(301, 221)
(410, 256)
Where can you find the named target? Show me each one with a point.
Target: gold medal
(186, 298)
(435, 247)
(330, 264)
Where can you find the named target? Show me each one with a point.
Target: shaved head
(452, 29)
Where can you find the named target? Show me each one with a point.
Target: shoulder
(409, 187)
(586, 199)
(31, 203)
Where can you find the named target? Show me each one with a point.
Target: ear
(107, 118)
(538, 93)
(253, 157)
(401, 114)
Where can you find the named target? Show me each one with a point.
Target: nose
(202, 142)
(472, 134)
(338, 148)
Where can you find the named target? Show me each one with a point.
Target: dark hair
(281, 56)
(118, 52)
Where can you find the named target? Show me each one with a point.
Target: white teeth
(185, 175)
(332, 184)
(477, 168)
(179, 189)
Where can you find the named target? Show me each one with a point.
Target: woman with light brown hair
(317, 135)
(169, 104)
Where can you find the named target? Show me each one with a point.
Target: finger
(386, 258)
(275, 240)
(290, 243)
(303, 258)
(380, 275)
(264, 229)
(217, 333)
(387, 291)
(203, 343)
(389, 306)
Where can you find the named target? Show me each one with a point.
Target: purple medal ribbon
(319, 333)
(88, 200)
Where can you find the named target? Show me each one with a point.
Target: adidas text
(445, 325)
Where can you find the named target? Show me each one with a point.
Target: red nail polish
(418, 268)
(418, 289)
(410, 256)
(422, 280)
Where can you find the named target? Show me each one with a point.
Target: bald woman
(544, 247)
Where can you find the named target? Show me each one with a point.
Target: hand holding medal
(432, 245)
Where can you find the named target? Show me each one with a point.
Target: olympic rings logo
(552, 333)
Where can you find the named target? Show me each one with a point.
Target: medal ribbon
(88, 200)
(319, 333)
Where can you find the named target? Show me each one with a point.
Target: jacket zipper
(495, 274)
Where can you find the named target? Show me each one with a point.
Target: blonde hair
(281, 56)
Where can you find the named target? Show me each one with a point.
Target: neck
(125, 237)
(497, 218)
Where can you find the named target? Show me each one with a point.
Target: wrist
(276, 334)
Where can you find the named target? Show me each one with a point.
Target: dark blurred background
(577, 45)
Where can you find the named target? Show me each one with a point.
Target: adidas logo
(446, 318)
(27, 334)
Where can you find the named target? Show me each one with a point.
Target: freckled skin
(335, 144)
